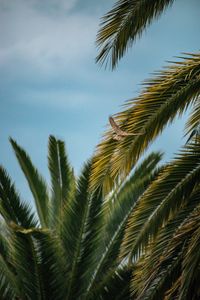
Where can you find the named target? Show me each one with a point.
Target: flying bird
(119, 133)
(195, 132)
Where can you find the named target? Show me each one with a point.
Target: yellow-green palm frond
(194, 118)
(117, 210)
(156, 249)
(172, 293)
(162, 200)
(166, 95)
(190, 274)
(122, 25)
(176, 272)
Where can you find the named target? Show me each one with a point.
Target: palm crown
(69, 248)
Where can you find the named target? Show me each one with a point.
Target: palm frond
(157, 249)
(51, 264)
(166, 95)
(169, 266)
(164, 280)
(172, 293)
(4, 245)
(92, 240)
(143, 170)
(81, 222)
(61, 178)
(162, 199)
(12, 208)
(194, 118)
(36, 183)
(117, 213)
(122, 25)
(40, 253)
(24, 258)
(190, 274)
(166, 271)
(114, 285)
(9, 288)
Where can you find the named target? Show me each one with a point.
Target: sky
(50, 83)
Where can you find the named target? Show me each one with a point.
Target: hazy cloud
(43, 41)
(42, 6)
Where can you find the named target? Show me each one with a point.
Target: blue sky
(50, 83)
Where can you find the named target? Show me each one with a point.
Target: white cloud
(58, 100)
(43, 40)
(48, 5)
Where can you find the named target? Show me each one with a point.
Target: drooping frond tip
(123, 24)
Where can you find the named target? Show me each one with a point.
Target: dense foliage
(69, 248)
(106, 235)
(162, 237)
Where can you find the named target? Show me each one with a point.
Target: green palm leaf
(163, 281)
(12, 208)
(171, 265)
(41, 254)
(51, 264)
(62, 180)
(193, 120)
(4, 244)
(81, 222)
(117, 211)
(115, 285)
(25, 258)
(163, 198)
(157, 250)
(81, 259)
(158, 246)
(166, 95)
(9, 287)
(190, 275)
(122, 25)
(36, 183)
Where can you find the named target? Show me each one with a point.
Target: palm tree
(161, 240)
(68, 247)
(162, 236)
(176, 273)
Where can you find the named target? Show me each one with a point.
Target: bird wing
(115, 126)
(118, 131)
(118, 137)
